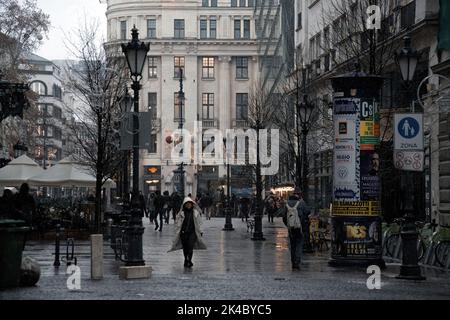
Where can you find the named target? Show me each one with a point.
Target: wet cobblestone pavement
(234, 267)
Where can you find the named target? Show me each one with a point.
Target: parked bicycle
(392, 245)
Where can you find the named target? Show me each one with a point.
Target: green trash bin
(12, 239)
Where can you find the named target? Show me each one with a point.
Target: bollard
(57, 263)
(71, 258)
(108, 228)
(96, 256)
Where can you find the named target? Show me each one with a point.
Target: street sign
(409, 160)
(408, 130)
(126, 131)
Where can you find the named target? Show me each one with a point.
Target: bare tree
(352, 39)
(261, 111)
(22, 27)
(300, 116)
(95, 81)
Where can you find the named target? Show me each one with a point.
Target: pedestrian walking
(176, 201)
(270, 206)
(293, 215)
(24, 204)
(188, 234)
(166, 206)
(7, 210)
(245, 208)
(151, 207)
(143, 205)
(159, 204)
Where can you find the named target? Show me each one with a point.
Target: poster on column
(370, 179)
(346, 184)
(369, 124)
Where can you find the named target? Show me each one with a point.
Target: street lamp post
(135, 53)
(407, 59)
(228, 223)
(180, 127)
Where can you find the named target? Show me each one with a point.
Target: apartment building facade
(214, 42)
(329, 40)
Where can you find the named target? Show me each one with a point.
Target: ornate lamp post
(228, 224)
(407, 59)
(180, 169)
(135, 53)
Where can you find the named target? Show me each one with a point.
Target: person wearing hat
(188, 234)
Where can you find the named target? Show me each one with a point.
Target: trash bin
(12, 239)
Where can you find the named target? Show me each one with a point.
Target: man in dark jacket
(159, 203)
(176, 204)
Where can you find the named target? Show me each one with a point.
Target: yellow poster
(356, 208)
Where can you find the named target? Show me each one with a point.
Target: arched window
(39, 87)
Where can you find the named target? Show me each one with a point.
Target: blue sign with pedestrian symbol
(408, 128)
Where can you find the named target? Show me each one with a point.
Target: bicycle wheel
(421, 249)
(441, 252)
(391, 244)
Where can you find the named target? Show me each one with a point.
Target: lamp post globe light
(135, 53)
(407, 59)
(228, 223)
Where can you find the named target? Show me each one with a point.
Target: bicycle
(393, 242)
(442, 253)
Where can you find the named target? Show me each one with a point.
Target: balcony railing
(209, 123)
(240, 123)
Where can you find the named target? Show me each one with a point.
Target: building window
(49, 132)
(242, 3)
(241, 67)
(241, 106)
(246, 29)
(49, 111)
(39, 87)
(179, 28)
(212, 28)
(237, 29)
(208, 67)
(151, 28)
(152, 67)
(408, 15)
(176, 103)
(205, 3)
(250, 3)
(208, 106)
(123, 30)
(153, 148)
(234, 3)
(57, 113)
(57, 92)
(213, 3)
(299, 21)
(203, 29)
(178, 64)
(153, 104)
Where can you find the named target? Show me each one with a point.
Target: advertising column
(356, 223)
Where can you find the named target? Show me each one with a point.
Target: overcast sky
(65, 15)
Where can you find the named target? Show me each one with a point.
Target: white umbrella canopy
(66, 173)
(19, 171)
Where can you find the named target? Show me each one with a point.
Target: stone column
(223, 114)
(224, 105)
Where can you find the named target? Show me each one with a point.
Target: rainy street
(232, 268)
